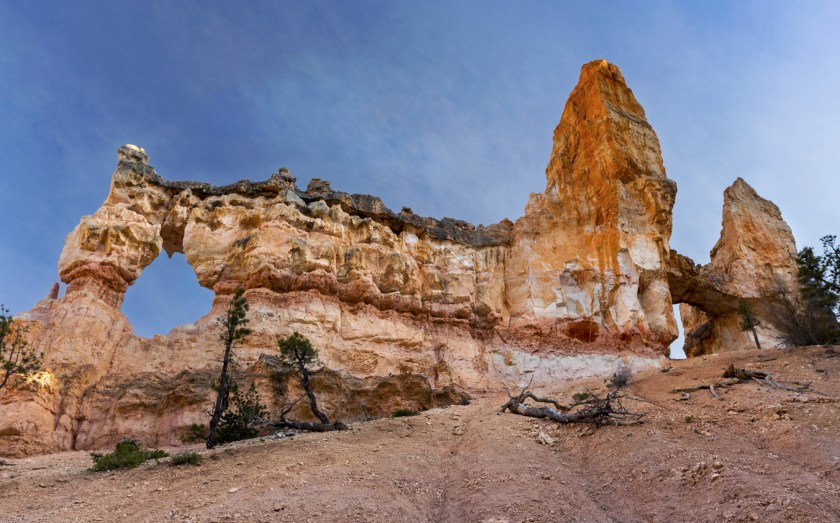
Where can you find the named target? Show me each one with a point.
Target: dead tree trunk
(587, 408)
(755, 337)
(300, 425)
(733, 376)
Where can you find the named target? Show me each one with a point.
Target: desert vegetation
(127, 454)
(233, 330)
(749, 321)
(16, 356)
(186, 458)
(242, 419)
(240, 422)
(809, 315)
(300, 357)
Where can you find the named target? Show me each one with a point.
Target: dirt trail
(759, 454)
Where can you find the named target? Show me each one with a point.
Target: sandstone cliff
(406, 311)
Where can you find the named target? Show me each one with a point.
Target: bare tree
(16, 357)
(233, 330)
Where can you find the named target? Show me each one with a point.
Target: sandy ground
(759, 454)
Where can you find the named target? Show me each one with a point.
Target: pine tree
(808, 315)
(16, 357)
(297, 352)
(233, 330)
(238, 423)
(819, 275)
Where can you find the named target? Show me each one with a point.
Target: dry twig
(733, 376)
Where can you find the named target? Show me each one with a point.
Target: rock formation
(588, 258)
(755, 254)
(406, 311)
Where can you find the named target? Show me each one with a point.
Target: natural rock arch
(756, 252)
(406, 311)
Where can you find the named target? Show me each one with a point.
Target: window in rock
(677, 352)
(165, 295)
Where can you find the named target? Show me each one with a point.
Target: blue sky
(445, 107)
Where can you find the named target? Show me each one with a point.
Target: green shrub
(186, 458)
(402, 413)
(689, 419)
(238, 424)
(581, 396)
(195, 433)
(127, 455)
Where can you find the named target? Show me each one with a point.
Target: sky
(444, 107)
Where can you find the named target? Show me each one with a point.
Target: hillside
(759, 454)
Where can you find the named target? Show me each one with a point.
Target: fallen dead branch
(707, 386)
(285, 423)
(733, 376)
(306, 425)
(744, 374)
(586, 407)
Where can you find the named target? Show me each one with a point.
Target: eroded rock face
(756, 253)
(588, 257)
(406, 311)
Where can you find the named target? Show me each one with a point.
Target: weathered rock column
(587, 261)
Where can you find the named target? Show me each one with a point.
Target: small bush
(689, 419)
(195, 433)
(238, 424)
(186, 458)
(402, 413)
(127, 455)
(581, 396)
(800, 320)
(620, 379)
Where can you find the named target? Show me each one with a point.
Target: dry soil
(759, 454)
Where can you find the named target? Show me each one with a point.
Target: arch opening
(677, 346)
(166, 295)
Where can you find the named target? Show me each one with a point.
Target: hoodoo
(587, 260)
